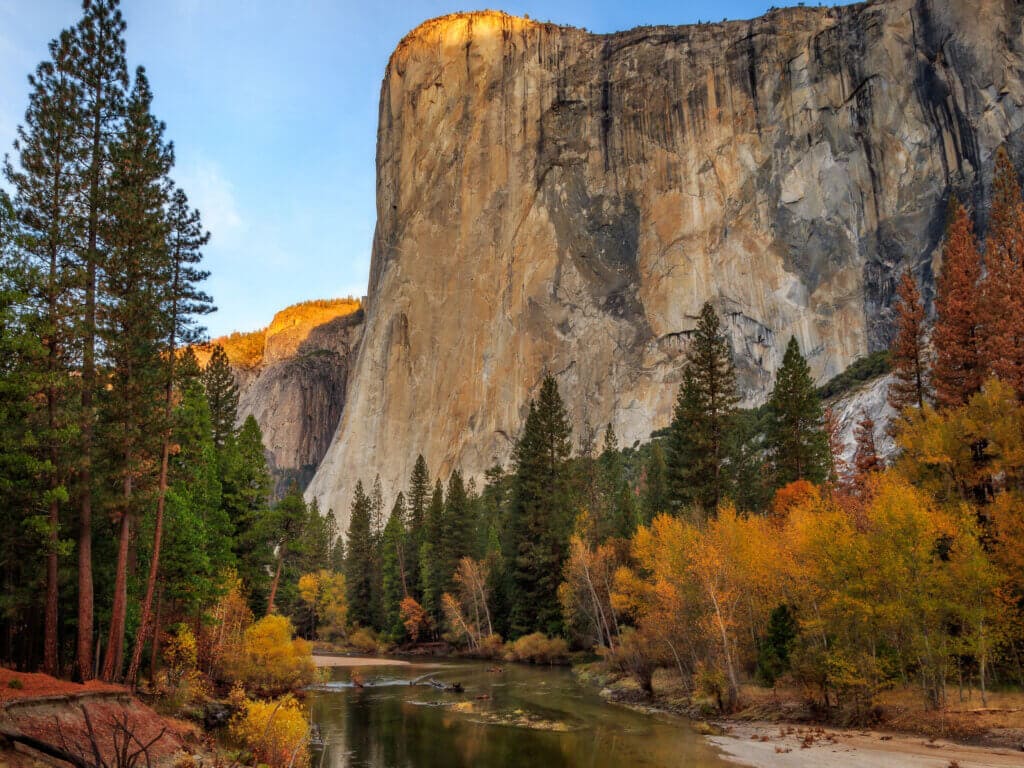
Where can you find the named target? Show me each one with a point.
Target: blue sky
(272, 107)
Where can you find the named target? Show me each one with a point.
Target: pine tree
(432, 555)
(619, 507)
(956, 372)
(458, 529)
(47, 192)
(101, 77)
(247, 486)
(181, 301)
(22, 356)
(417, 500)
(222, 394)
(796, 439)
(908, 354)
(656, 499)
(703, 417)
(359, 560)
(131, 323)
(284, 528)
(1002, 289)
(393, 559)
(540, 514)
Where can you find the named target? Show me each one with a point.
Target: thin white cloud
(210, 191)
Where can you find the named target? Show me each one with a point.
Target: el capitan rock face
(550, 200)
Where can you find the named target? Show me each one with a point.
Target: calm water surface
(520, 716)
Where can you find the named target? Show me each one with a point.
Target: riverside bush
(272, 659)
(538, 648)
(274, 732)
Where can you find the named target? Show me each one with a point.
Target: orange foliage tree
(956, 373)
(1002, 347)
(907, 353)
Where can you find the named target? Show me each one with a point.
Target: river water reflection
(518, 716)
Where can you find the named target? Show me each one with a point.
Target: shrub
(491, 647)
(15, 684)
(220, 641)
(538, 648)
(180, 655)
(272, 659)
(363, 640)
(275, 732)
(862, 369)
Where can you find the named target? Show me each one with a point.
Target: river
(515, 716)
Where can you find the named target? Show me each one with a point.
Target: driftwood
(429, 680)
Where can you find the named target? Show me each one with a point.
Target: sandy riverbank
(324, 660)
(768, 745)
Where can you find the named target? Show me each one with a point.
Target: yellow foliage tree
(271, 658)
(275, 732)
(323, 592)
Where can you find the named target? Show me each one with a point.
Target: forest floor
(62, 714)
(777, 728)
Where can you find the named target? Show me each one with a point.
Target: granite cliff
(292, 377)
(551, 200)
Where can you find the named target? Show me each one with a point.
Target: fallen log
(46, 748)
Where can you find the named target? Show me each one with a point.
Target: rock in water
(551, 200)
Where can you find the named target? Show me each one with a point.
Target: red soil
(38, 709)
(34, 686)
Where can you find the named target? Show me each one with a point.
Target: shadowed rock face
(555, 201)
(296, 390)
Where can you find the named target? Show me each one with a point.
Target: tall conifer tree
(47, 192)
(101, 74)
(132, 321)
(394, 577)
(222, 394)
(704, 413)
(908, 353)
(956, 372)
(796, 439)
(540, 515)
(181, 301)
(417, 500)
(359, 560)
(1002, 289)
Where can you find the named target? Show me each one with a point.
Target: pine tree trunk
(155, 652)
(115, 640)
(158, 528)
(50, 662)
(85, 580)
(154, 566)
(271, 608)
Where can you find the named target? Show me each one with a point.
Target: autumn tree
(1002, 289)
(865, 458)
(908, 354)
(957, 372)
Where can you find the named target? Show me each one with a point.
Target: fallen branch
(41, 746)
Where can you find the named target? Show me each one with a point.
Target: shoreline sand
(769, 745)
